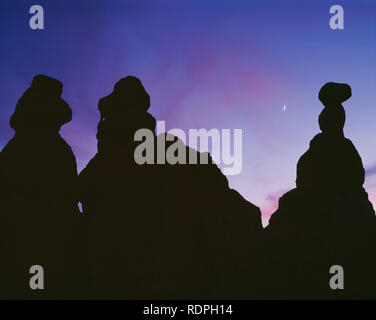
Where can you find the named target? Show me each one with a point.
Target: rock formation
(161, 230)
(327, 220)
(39, 212)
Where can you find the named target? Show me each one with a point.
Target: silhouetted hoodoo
(162, 231)
(39, 210)
(327, 220)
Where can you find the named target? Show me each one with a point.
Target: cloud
(371, 171)
(274, 197)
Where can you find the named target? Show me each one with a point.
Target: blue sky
(206, 64)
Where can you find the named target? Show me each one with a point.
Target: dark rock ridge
(161, 230)
(174, 231)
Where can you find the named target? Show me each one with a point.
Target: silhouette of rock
(162, 230)
(39, 214)
(327, 220)
(332, 118)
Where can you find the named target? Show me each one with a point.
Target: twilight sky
(222, 64)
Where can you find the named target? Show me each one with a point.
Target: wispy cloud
(274, 197)
(371, 171)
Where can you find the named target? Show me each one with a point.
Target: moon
(284, 108)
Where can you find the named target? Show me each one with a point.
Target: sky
(225, 64)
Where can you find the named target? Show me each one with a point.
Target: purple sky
(206, 64)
